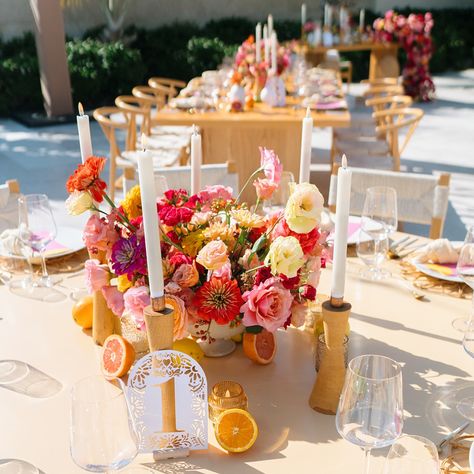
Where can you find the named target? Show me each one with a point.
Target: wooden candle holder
(159, 329)
(330, 379)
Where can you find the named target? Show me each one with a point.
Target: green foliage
(231, 30)
(204, 53)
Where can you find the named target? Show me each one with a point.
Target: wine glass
(465, 270)
(379, 220)
(102, 433)
(412, 454)
(370, 411)
(280, 196)
(372, 253)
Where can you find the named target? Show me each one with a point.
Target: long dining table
(228, 136)
(386, 319)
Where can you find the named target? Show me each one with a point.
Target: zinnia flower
(304, 206)
(219, 299)
(247, 219)
(285, 256)
(129, 257)
(86, 178)
(267, 305)
(222, 231)
(132, 204)
(213, 255)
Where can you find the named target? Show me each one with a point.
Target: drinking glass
(370, 411)
(465, 270)
(379, 220)
(372, 253)
(412, 454)
(280, 196)
(102, 432)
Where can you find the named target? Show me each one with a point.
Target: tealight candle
(224, 396)
(83, 128)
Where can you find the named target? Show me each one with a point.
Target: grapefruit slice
(236, 430)
(260, 347)
(118, 356)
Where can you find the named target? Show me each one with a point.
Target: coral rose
(213, 255)
(267, 305)
(186, 275)
(285, 256)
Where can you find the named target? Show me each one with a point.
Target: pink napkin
(353, 228)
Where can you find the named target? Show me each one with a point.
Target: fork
(403, 247)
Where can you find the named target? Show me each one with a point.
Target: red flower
(307, 241)
(178, 258)
(218, 299)
(172, 216)
(309, 292)
(262, 274)
(86, 178)
(256, 233)
(290, 283)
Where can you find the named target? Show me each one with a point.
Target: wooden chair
(173, 85)
(180, 177)
(385, 147)
(421, 198)
(9, 205)
(383, 90)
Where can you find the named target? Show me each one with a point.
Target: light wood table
(236, 136)
(386, 319)
(383, 57)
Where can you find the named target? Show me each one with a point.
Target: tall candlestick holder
(327, 389)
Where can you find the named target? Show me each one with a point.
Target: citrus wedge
(236, 430)
(118, 356)
(260, 347)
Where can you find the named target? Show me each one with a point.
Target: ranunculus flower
(99, 234)
(78, 202)
(298, 314)
(285, 256)
(136, 299)
(97, 275)
(271, 165)
(186, 275)
(114, 299)
(304, 206)
(213, 255)
(267, 305)
(264, 188)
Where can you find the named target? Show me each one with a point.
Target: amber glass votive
(224, 396)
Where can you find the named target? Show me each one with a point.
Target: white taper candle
(270, 25)
(274, 47)
(303, 14)
(362, 19)
(83, 128)
(258, 43)
(266, 44)
(305, 155)
(150, 223)
(343, 199)
(196, 161)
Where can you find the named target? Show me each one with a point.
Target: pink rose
(172, 288)
(97, 275)
(114, 300)
(264, 188)
(186, 275)
(135, 300)
(213, 255)
(267, 305)
(224, 272)
(99, 234)
(298, 314)
(271, 165)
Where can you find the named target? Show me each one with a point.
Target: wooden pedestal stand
(330, 379)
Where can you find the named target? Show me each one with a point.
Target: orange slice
(260, 347)
(118, 356)
(82, 312)
(236, 430)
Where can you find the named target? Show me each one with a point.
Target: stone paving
(42, 158)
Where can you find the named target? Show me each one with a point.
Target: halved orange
(118, 356)
(260, 347)
(236, 430)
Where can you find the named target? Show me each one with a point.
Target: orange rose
(186, 275)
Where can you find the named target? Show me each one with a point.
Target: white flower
(78, 202)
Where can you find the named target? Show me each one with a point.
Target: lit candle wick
(308, 112)
(344, 161)
(81, 109)
(227, 393)
(143, 142)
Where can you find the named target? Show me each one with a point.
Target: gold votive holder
(224, 396)
(321, 349)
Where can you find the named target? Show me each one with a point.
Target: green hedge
(100, 71)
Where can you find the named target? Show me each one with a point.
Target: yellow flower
(247, 219)
(123, 283)
(192, 243)
(285, 256)
(304, 206)
(220, 230)
(78, 202)
(132, 204)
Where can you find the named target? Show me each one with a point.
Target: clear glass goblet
(373, 253)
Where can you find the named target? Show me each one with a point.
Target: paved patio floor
(42, 159)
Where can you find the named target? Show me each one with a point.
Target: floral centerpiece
(223, 263)
(414, 35)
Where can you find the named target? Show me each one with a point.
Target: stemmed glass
(102, 435)
(372, 252)
(379, 220)
(412, 454)
(370, 411)
(465, 270)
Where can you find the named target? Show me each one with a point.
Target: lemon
(82, 312)
(189, 347)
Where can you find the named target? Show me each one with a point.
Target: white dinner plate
(68, 241)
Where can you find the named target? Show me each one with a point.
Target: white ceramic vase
(274, 93)
(217, 341)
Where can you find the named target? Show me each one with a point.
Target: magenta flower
(129, 257)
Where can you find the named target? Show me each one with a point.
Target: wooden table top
(385, 319)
